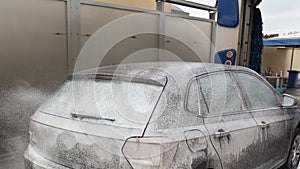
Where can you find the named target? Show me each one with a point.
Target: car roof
(177, 70)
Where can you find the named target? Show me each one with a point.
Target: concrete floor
(11, 149)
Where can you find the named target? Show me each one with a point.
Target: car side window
(193, 98)
(220, 93)
(259, 94)
(194, 103)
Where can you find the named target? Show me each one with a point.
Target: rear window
(128, 103)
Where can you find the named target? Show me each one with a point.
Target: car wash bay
(39, 48)
(38, 56)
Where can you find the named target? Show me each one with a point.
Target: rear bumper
(33, 160)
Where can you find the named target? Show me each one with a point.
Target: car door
(232, 129)
(272, 120)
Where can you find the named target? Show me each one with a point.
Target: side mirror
(289, 100)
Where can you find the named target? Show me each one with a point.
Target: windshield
(128, 103)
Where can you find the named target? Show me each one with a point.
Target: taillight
(149, 152)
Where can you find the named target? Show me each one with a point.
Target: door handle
(264, 125)
(221, 133)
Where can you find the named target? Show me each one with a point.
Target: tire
(294, 153)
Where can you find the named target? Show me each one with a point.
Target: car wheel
(294, 155)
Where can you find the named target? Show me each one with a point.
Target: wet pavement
(11, 149)
(12, 162)
(11, 152)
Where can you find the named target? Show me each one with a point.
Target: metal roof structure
(292, 41)
(284, 42)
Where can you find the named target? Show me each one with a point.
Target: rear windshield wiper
(119, 77)
(86, 116)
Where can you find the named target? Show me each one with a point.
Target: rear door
(273, 122)
(231, 127)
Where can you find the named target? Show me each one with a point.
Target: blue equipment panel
(228, 13)
(226, 57)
